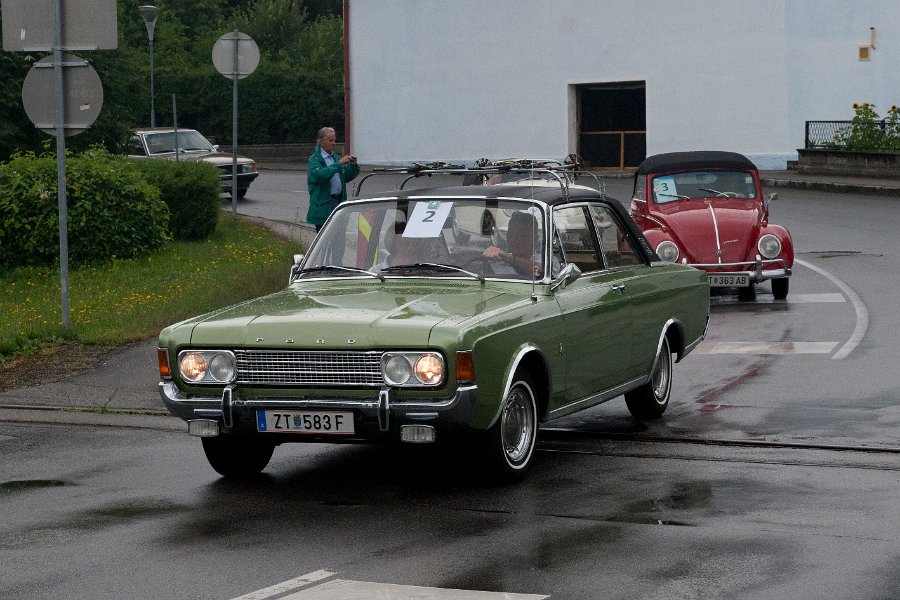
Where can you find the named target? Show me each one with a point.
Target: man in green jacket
(326, 177)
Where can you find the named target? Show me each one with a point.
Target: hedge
(112, 211)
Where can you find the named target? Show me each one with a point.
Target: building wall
(438, 80)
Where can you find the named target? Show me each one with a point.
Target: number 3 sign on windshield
(427, 219)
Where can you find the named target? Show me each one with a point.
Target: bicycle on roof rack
(516, 171)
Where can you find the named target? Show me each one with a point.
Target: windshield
(446, 237)
(188, 141)
(703, 184)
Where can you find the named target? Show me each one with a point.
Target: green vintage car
(463, 315)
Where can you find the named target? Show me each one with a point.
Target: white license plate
(319, 422)
(729, 280)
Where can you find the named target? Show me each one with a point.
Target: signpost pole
(61, 162)
(234, 123)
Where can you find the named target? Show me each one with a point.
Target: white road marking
(707, 347)
(287, 586)
(814, 298)
(340, 589)
(862, 314)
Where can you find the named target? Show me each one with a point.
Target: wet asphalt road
(109, 513)
(774, 474)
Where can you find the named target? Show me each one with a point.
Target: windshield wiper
(438, 266)
(323, 268)
(718, 193)
(682, 196)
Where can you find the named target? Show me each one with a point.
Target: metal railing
(853, 135)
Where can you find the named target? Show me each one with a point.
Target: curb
(836, 187)
(65, 416)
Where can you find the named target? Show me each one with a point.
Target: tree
(297, 87)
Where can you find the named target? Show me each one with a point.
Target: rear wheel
(651, 399)
(780, 287)
(235, 457)
(747, 293)
(510, 442)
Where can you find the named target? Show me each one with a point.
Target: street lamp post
(149, 14)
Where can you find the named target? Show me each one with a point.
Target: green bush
(191, 191)
(868, 131)
(112, 211)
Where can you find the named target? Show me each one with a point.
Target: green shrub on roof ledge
(868, 131)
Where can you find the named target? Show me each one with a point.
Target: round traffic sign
(82, 95)
(223, 55)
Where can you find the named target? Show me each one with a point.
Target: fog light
(417, 434)
(203, 428)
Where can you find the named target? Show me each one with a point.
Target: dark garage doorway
(612, 124)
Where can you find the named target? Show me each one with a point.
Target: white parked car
(189, 144)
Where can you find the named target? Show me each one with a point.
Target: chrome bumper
(384, 409)
(758, 271)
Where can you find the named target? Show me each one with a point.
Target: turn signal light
(163, 358)
(465, 367)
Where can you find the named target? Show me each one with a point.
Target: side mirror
(567, 275)
(772, 196)
(295, 268)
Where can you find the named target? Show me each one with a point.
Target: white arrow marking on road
(765, 347)
(340, 589)
(862, 314)
(286, 586)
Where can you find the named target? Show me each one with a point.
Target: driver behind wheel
(521, 237)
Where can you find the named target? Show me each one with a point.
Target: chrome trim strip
(227, 418)
(716, 230)
(384, 410)
(176, 400)
(509, 379)
(690, 347)
(597, 398)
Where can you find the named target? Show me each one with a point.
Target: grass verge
(129, 300)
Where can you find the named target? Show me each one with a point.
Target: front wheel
(651, 399)
(510, 442)
(235, 457)
(780, 287)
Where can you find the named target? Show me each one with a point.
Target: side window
(574, 234)
(135, 148)
(617, 247)
(640, 188)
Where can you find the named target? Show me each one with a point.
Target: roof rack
(563, 171)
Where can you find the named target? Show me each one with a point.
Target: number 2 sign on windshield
(427, 219)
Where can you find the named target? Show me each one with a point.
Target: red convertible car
(706, 209)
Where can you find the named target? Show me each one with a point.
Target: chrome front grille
(279, 367)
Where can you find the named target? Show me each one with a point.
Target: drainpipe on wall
(347, 145)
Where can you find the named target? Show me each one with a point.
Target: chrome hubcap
(661, 372)
(517, 425)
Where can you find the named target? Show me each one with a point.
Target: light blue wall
(439, 80)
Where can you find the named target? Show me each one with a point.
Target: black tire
(241, 194)
(510, 442)
(237, 458)
(651, 399)
(780, 287)
(748, 293)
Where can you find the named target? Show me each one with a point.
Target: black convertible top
(701, 159)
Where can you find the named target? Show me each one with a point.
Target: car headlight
(207, 366)
(412, 368)
(667, 251)
(769, 246)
